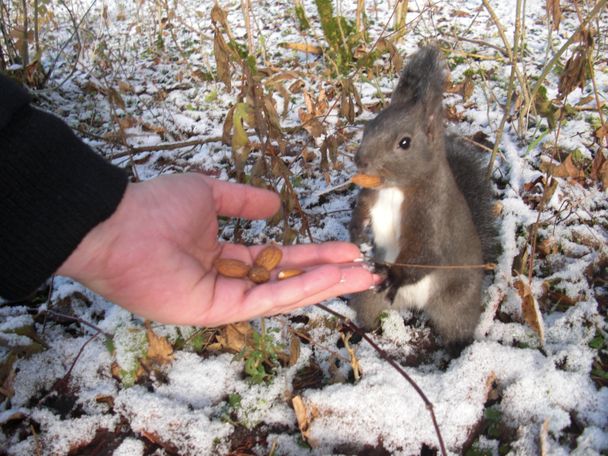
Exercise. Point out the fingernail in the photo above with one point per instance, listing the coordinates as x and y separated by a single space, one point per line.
377 280
361 259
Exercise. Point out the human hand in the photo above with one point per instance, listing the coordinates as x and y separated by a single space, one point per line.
154 256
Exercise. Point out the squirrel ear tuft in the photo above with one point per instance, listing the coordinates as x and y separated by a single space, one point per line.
422 79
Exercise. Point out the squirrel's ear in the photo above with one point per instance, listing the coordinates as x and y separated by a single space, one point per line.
434 124
422 79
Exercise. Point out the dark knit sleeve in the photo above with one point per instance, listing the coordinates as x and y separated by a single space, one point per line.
54 189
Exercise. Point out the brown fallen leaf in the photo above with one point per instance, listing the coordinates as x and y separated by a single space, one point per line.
565 169
301 416
294 350
543 438
530 309
303 47
554 11
233 337
160 351
599 169
548 246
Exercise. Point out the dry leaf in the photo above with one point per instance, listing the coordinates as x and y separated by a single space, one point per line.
125 87
575 72
160 351
530 309
115 99
554 11
222 59
301 416
304 47
297 86
354 362
491 387
547 246
233 337
294 350
566 169
543 438
602 135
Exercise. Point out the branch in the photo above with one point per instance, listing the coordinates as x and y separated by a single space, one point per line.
429 405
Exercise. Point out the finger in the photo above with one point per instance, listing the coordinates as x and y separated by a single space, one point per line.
305 255
312 287
237 200
272 297
354 280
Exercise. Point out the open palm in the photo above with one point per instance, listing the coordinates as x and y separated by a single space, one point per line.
155 256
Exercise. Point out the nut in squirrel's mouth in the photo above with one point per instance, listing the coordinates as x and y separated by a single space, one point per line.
367 180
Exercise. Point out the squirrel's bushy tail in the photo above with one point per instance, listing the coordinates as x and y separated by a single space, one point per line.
468 168
422 79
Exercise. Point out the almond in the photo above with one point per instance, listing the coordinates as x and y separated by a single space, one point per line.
366 180
258 274
269 257
288 273
235 269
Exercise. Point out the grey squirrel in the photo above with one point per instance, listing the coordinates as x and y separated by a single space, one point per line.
434 207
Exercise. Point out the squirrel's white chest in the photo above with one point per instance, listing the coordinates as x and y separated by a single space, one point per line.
385 217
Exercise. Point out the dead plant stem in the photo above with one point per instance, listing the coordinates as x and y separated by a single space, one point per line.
429 405
511 87
486 266
549 66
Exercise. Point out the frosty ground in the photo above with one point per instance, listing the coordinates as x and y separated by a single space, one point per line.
144 77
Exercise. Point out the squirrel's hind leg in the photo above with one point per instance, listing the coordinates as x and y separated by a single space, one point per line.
455 312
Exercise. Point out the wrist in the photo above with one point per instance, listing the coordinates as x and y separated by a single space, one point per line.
94 248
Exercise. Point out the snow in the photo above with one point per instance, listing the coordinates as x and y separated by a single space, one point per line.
199 402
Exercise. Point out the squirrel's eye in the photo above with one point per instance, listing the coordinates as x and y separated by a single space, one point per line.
405 142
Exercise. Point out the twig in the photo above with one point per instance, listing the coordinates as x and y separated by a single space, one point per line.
513 54
549 66
485 266
334 188
356 72
166 146
54 63
482 43
79 320
429 405
69 372
503 36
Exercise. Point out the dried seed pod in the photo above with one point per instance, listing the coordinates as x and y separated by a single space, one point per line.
288 273
258 274
235 269
269 257
366 180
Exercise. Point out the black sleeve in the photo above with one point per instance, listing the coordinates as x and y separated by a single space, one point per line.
54 189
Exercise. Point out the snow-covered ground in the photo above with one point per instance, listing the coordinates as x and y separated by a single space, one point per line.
508 392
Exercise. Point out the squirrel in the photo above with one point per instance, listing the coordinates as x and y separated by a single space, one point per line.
434 207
